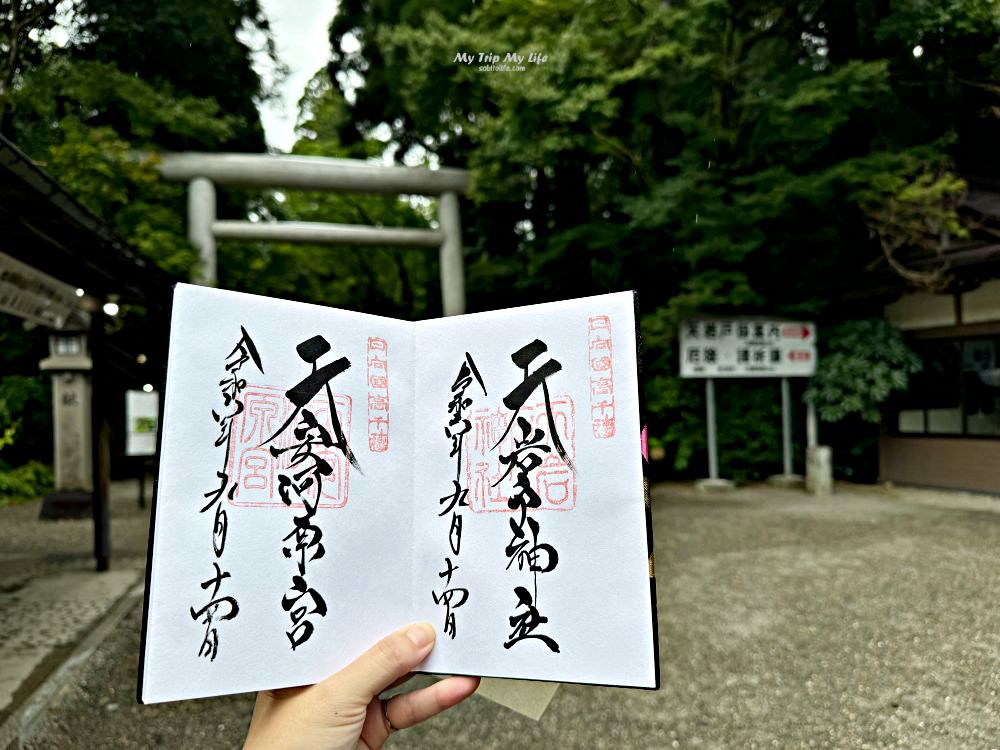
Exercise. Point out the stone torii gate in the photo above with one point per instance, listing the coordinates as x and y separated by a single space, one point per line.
203 171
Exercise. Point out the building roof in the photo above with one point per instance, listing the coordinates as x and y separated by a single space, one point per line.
45 227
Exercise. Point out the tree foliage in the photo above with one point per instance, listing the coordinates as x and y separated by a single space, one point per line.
21 23
131 79
863 364
203 50
93 108
722 157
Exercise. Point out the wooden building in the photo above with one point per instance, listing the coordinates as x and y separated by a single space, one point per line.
945 431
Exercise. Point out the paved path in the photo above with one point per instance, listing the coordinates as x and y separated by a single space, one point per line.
49 593
867 620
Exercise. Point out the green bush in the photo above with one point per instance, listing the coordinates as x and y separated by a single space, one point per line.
26 482
862 363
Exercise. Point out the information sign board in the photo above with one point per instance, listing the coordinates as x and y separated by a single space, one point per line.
747 349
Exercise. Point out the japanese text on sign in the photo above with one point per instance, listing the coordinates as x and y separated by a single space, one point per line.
747 349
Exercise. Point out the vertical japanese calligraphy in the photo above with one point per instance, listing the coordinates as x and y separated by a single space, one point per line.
221 608
527 455
302 483
459 425
378 395
602 379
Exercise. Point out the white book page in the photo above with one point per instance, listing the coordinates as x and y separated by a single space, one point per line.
597 596
363 511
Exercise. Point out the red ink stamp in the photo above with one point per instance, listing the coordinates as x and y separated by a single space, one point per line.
378 395
602 378
554 482
254 471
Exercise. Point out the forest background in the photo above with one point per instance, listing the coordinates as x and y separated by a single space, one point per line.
723 158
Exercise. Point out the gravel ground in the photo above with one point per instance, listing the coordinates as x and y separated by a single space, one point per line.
867 620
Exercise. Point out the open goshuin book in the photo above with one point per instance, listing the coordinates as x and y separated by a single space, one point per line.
327 476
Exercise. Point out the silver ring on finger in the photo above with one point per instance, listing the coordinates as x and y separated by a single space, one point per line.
385 715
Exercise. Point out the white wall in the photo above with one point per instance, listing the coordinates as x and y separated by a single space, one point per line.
921 310
982 304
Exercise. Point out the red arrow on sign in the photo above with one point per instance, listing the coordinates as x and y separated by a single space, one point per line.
795 332
799 356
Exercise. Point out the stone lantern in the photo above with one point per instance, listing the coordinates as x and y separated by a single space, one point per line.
70 366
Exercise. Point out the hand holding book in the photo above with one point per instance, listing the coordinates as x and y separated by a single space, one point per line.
345 712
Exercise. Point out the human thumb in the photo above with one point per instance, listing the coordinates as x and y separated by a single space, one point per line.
380 666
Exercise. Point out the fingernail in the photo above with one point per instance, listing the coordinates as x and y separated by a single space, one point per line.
422 634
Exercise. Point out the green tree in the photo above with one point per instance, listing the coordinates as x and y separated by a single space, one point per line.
135 78
65 111
722 157
203 50
131 80
21 23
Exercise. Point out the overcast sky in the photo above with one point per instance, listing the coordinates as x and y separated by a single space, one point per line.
300 35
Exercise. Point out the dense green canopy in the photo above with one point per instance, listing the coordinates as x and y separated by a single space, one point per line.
92 90
721 157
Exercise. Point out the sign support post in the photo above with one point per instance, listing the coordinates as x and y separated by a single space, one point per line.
786 426
142 410
788 477
748 348
714 481
713 446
